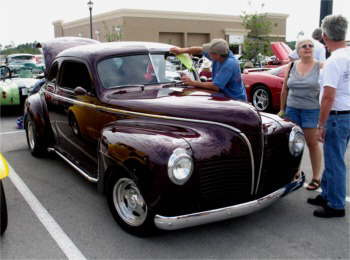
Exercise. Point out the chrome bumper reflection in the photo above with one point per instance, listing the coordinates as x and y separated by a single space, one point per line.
205 217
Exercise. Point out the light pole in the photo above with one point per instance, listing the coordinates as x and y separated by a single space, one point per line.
90 4
326 9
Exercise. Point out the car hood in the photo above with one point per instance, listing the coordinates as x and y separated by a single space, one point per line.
53 47
189 103
281 50
22 82
7 85
16 83
261 74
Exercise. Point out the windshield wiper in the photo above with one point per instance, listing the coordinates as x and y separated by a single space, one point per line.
174 84
119 89
128 86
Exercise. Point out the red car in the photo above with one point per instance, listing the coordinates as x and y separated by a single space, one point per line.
264 87
281 52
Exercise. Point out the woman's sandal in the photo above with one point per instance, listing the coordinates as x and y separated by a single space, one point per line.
313 185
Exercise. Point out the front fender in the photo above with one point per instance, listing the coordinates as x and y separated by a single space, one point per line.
9 93
142 148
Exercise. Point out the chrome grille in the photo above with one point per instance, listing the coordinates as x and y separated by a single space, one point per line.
224 182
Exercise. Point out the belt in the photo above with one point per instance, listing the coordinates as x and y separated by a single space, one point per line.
333 112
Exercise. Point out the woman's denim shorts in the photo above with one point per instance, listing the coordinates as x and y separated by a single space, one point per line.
305 118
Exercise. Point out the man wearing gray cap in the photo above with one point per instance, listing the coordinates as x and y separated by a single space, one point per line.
226 72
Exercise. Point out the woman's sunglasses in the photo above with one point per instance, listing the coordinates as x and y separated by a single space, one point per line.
307 46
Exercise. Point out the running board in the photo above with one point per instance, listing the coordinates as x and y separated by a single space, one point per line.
80 171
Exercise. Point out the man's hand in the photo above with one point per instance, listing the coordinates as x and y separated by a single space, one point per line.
321 133
194 83
281 113
176 50
187 80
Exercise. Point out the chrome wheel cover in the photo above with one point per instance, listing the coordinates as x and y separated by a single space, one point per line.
30 133
261 99
75 127
129 203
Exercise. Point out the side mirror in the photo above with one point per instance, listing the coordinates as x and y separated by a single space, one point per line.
5 73
203 79
80 91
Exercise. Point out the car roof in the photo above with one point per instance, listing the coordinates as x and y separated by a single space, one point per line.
101 50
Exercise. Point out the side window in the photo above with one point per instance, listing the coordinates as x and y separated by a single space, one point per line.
74 74
53 73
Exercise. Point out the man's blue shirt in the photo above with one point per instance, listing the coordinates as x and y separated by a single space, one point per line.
227 76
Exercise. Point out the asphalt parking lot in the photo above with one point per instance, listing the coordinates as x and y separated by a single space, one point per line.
84 226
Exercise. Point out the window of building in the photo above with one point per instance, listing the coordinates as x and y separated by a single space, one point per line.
235 48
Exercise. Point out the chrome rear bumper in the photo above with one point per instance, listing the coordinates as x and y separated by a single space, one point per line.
205 217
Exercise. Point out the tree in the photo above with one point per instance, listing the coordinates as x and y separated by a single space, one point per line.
257 41
21 48
291 44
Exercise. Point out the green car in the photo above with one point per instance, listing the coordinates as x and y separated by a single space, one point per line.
22 61
14 90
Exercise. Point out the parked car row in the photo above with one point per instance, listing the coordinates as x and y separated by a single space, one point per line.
167 156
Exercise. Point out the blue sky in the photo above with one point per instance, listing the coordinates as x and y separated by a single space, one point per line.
26 21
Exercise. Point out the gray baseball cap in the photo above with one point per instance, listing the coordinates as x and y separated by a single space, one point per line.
218 46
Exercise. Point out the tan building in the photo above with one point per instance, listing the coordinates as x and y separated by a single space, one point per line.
177 28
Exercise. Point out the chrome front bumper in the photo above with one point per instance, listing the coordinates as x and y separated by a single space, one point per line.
215 215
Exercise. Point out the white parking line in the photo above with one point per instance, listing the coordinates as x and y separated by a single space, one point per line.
12 132
56 232
320 190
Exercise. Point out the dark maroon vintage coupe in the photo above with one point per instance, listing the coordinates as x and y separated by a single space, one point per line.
167 156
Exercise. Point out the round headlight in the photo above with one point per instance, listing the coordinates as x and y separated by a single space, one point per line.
180 166
296 141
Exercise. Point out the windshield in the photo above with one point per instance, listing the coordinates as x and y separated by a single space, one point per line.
141 70
21 59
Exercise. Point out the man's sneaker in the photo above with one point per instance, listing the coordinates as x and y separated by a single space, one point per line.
328 212
318 201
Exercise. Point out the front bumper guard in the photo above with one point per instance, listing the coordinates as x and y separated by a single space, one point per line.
215 215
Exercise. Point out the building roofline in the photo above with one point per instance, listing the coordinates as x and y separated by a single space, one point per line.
120 13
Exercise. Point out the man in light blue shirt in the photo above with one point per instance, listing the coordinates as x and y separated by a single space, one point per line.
226 72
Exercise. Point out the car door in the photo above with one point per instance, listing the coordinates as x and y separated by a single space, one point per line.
73 124
51 101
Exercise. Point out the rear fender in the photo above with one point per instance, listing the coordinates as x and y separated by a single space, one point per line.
36 108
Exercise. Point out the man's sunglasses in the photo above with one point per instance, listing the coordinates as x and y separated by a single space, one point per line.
307 46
